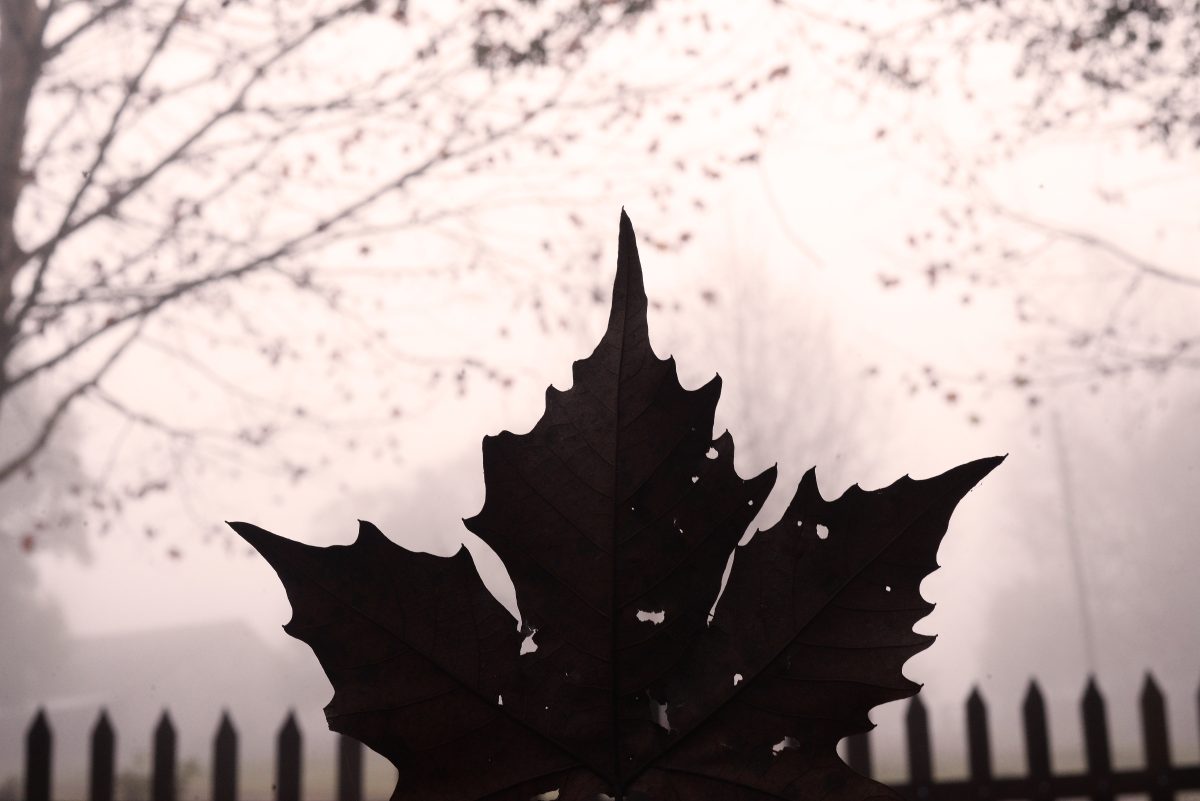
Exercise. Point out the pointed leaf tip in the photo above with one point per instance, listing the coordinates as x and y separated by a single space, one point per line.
254 536
241 529
369 531
627 318
627 246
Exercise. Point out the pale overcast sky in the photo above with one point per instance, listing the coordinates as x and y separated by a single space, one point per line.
794 247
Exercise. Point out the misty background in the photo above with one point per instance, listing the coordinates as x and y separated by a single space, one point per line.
288 263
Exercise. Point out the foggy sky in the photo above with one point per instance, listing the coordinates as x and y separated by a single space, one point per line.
809 343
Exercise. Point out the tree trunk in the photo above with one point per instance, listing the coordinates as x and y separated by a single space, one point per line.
22 25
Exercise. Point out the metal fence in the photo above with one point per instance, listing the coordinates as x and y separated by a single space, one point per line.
163 785
1159 778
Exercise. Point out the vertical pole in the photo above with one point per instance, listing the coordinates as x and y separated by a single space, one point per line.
350 770
979 746
858 753
1037 742
224 786
100 783
920 758
287 761
1095 742
1157 743
1076 552
162 782
38 744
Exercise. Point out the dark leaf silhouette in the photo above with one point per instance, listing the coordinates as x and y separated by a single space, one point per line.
616 516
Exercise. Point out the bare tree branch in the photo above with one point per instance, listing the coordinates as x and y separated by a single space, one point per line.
97 17
129 188
52 420
255 158
44 255
1143 267
784 225
289 247
141 418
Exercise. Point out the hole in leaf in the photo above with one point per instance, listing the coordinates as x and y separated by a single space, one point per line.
499 700
750 502
549 795
799 523
737 679
786 742
887 587
822 532
528 646
651 617
712 453
659 713
695 479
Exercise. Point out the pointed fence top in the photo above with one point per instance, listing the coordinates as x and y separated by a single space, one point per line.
290 728
1095 730
1151 692
1155 738
164 733
103 724
40 726
1033 696
979 748
225 727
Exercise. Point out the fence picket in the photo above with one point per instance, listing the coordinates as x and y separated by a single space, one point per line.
979 748
1154 735
224 786
104 744
858 753
1095 742
920 758
287 761
38 744
350 769
162 781
1037 743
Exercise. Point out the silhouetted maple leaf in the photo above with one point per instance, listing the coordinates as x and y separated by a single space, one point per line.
615 516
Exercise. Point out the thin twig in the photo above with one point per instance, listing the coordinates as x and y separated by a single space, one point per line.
51 421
